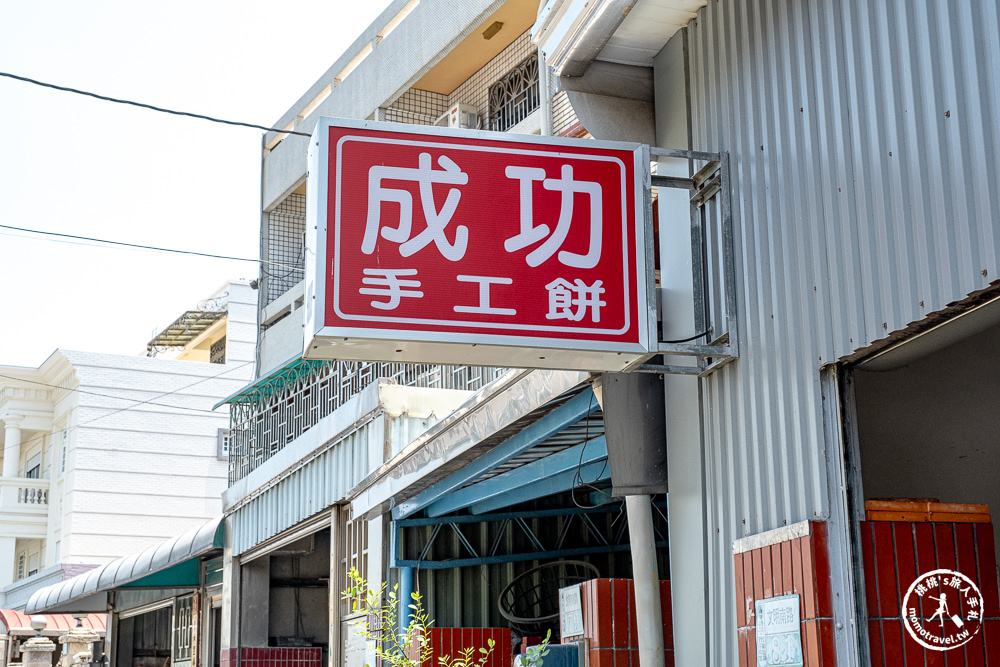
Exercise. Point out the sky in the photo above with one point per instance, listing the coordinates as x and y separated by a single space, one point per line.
80 166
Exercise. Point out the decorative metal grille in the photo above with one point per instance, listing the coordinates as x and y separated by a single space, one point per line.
183 623
354 537
515 96
268 419
217 353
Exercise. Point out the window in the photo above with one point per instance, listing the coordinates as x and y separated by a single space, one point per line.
62 458
217 353
223 445
515 96
183 623
32 564
34 467
21 565
355 541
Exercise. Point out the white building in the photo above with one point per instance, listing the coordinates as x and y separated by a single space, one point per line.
105 454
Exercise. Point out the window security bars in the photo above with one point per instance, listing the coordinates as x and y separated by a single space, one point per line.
183 626
217 353
354 537
282 244
265 421
514 97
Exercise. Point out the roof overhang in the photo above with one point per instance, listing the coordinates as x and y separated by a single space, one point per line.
186 328
476 50
170 564
19 623
461 448
274 380
574 33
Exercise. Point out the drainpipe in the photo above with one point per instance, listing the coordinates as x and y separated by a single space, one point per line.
649 624
546 93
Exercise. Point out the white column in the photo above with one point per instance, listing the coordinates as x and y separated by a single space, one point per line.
11 445
649 621
7 560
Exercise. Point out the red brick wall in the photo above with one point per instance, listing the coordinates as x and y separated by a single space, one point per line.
802 567
451 642
273 657
609 622
895 553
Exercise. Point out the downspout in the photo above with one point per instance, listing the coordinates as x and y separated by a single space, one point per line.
545 89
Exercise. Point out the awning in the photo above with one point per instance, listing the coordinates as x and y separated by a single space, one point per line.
18 623
276 379
186 328
170 564
514 427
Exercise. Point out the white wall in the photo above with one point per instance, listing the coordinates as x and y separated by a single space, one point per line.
149 472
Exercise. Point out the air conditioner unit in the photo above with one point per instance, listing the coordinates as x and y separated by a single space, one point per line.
460 115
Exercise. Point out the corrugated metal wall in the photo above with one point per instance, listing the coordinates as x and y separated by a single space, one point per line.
863 138
313 487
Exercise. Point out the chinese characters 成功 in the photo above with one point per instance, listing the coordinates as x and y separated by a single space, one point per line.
426 176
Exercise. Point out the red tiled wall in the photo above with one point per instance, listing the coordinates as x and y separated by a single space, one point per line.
278 657
609 622
802 567
895 553
452 641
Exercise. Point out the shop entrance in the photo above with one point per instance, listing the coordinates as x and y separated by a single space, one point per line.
926 488
284 612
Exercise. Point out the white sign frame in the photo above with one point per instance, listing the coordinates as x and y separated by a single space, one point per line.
484 349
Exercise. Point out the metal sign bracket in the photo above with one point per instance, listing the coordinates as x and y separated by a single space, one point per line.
713 266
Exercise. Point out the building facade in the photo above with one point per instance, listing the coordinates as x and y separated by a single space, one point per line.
837 246
824 188
106 454
859 143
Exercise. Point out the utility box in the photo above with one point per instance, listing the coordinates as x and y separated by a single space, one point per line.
464 116
635 428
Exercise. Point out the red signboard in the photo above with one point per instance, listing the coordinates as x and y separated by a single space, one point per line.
431 241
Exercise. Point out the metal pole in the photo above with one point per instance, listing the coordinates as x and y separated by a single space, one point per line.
335 659
649 621
546 94
405 597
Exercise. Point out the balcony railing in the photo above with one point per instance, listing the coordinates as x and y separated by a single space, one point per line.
24 506
271 415
33 495
514 97
25 490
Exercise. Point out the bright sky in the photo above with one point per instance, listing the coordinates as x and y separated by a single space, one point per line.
76 165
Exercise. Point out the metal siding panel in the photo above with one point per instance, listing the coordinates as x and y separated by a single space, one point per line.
838 243
316 485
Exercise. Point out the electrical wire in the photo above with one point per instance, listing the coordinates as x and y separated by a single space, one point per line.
689 338
94 393
116 100
137 403
578 480
146 247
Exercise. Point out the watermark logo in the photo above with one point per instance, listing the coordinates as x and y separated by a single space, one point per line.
942 610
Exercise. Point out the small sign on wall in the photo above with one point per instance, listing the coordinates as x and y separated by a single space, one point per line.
570 611
779 633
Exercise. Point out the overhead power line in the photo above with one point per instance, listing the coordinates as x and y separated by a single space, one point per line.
136 402
148 106
146 247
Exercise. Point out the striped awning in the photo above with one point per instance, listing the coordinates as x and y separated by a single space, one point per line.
19 623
